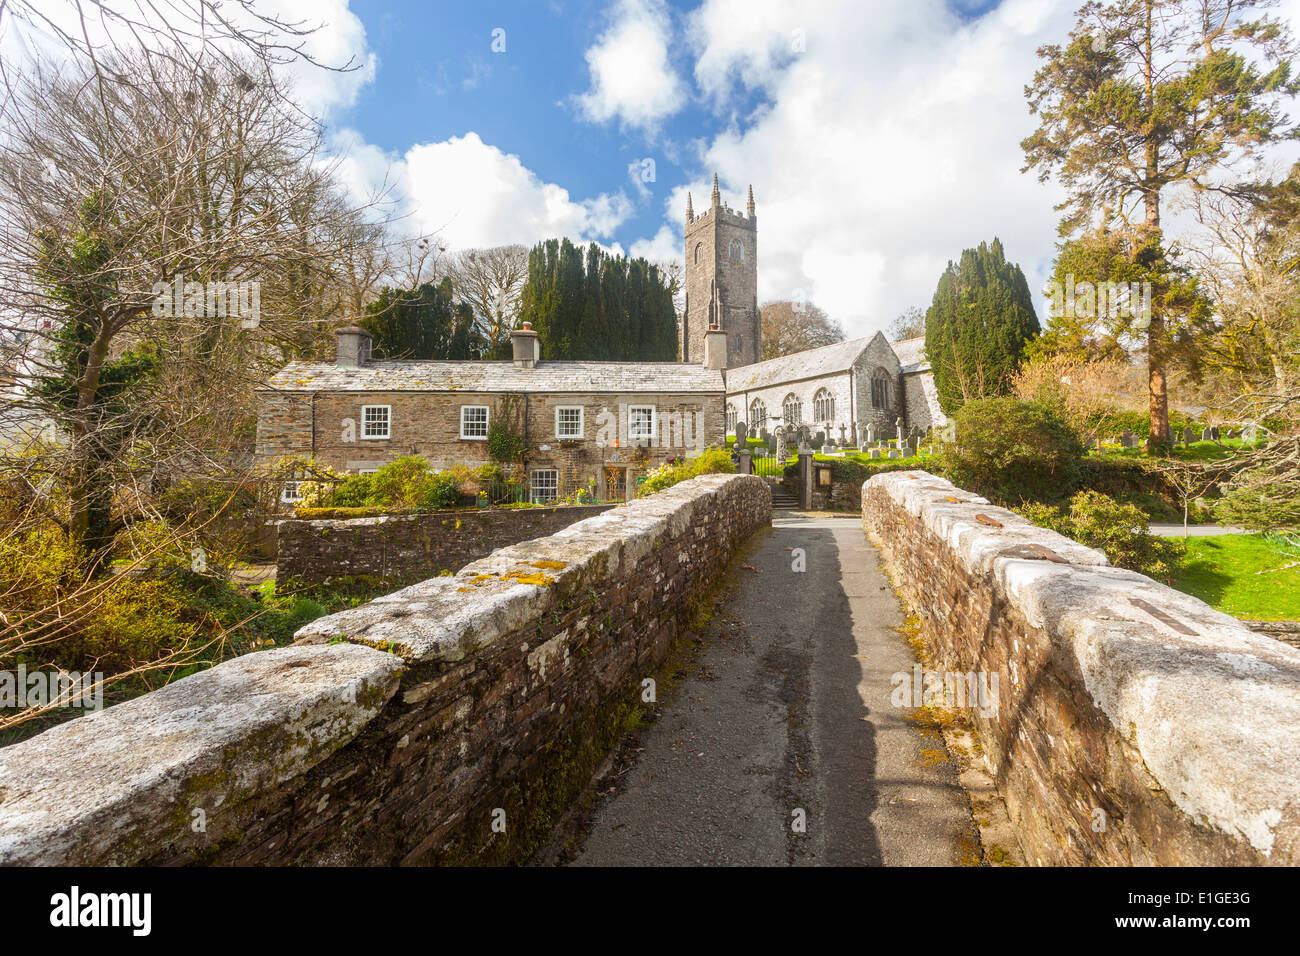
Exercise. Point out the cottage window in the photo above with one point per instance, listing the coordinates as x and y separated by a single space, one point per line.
376 421
290 493
568 421
473 421
641 422
544 485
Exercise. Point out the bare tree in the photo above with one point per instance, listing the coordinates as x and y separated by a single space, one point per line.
795 326
491 281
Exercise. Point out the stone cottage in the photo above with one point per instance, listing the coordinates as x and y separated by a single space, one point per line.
583 425
839 389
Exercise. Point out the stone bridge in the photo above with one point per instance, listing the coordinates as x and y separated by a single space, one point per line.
462 719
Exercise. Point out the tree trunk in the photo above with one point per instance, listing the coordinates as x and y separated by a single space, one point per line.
1157 386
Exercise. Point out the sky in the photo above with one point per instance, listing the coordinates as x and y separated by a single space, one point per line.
881 137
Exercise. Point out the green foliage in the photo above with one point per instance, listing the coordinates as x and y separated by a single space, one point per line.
407 482
977 326
505 438
1012 451
711 461
1261 499
1118 530
597 306
423 323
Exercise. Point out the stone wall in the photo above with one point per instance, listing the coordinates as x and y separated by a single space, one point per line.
407 548
449 722
1135 724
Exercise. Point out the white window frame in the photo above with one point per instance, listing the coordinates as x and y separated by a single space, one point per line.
582 422
654 414
487 422
553 485
289 497
366 471
388 423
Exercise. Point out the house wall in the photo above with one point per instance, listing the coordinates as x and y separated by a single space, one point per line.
428 424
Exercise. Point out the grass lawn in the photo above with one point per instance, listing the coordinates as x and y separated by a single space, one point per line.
1221 571
1196 451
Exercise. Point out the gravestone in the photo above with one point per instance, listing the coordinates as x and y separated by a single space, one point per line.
742 431
843 434
782 450
1207 434
874 453
873 436
1250 432
893 453
1188 436
828 449
1128 439
898 428
821 437
763 434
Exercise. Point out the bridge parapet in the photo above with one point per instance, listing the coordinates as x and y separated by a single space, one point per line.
1135 724
449 722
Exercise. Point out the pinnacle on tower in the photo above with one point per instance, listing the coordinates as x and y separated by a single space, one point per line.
749 207
717 196
690 210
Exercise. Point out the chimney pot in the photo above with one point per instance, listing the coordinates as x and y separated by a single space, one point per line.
353 347
526 346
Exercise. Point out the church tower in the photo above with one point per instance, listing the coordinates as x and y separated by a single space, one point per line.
722 280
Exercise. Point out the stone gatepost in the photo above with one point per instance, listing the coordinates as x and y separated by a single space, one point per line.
805 477
744 463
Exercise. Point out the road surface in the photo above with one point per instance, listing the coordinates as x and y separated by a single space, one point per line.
786 718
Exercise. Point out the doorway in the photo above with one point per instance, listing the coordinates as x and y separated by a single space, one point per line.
615 484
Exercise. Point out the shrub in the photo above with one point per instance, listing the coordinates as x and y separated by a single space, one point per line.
711 461
1012 450
1118 530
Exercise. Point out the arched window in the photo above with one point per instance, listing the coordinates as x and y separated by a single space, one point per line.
792 410
881 386
736 250
698 247
823 406
731 419
757 414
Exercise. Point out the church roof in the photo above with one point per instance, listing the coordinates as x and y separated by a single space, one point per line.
911 355
470 376
792 368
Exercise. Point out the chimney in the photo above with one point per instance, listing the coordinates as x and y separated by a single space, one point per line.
353 347
527 346
715 347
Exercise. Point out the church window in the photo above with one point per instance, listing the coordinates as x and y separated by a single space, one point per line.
880 389
792 410
731 419
757 414
698 246
823 406
736 250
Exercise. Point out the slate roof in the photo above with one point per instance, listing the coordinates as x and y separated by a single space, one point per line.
444 376
791 368
911 355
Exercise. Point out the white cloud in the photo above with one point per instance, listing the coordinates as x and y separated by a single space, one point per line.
473 194
338 38
890 142
632 79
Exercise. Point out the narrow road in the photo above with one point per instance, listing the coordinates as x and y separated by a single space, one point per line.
787 715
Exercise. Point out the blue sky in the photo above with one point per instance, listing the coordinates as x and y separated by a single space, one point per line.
881 137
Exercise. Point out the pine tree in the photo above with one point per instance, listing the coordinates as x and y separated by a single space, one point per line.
978 324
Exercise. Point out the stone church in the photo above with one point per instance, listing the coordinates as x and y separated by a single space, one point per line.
839 389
